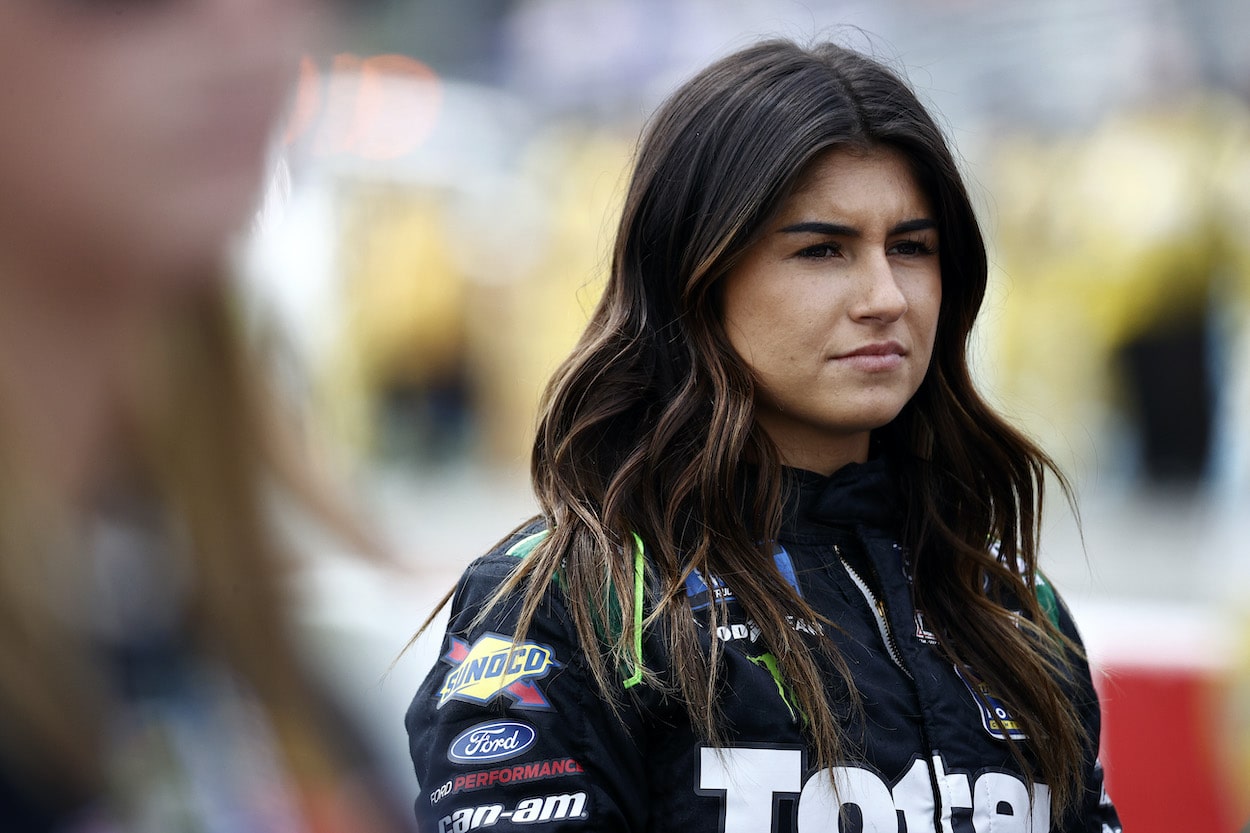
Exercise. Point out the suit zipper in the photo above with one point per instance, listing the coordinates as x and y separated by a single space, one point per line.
877 606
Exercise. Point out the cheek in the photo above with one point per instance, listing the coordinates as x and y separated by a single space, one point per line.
739 314
760 327
774 318
926 309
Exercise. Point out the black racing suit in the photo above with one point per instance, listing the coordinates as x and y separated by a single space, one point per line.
515 737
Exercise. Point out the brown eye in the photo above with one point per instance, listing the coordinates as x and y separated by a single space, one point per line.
821 250
911 248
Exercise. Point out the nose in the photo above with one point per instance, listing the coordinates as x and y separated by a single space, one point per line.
879 298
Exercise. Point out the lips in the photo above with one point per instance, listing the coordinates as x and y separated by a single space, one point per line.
883 348
878 357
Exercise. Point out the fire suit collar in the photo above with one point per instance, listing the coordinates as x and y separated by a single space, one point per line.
855 496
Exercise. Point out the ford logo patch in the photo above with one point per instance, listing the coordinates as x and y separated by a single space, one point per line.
495 740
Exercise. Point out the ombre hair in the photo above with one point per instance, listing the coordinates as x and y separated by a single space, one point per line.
648 427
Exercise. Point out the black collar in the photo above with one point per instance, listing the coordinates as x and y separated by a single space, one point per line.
856 495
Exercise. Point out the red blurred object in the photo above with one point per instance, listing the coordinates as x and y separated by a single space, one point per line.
1159 746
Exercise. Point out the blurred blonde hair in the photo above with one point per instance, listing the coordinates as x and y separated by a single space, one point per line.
211 447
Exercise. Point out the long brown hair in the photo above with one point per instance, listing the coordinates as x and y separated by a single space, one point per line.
647 426
210 449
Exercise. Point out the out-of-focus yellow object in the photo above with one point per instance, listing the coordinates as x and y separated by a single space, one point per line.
409 300
1103 237
439 282
540 316
405 302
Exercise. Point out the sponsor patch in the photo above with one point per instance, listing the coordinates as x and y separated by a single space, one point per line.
495 740
537 810
513 774
494 665
767 787
925 635
804 626
702 595
738 630
995 717
748 630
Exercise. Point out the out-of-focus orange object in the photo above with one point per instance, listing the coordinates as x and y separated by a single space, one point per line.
378 107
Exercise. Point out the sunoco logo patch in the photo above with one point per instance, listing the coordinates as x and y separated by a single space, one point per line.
494 665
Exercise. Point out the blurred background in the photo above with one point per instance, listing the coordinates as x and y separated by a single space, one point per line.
440 227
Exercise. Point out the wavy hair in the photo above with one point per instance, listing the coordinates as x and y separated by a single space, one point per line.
648 426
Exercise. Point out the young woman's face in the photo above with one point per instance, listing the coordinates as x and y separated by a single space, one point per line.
139 127
835 308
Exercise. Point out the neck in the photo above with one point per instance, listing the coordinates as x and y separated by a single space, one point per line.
818 451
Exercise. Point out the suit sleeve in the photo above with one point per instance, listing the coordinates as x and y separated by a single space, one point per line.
505 733
1096 813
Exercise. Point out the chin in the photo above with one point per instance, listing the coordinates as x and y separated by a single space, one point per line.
869 418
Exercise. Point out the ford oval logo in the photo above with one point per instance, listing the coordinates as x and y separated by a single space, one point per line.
496 740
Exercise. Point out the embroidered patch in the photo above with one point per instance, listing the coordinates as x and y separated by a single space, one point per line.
702 595
494 665
995 717
491 742
925 635
515 774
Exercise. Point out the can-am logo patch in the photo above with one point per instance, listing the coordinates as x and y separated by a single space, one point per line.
494 665
496 740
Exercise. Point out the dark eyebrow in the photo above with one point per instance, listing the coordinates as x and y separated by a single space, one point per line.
919 224
836 230
826 229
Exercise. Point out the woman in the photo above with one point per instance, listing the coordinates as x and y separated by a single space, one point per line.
148 680
785 575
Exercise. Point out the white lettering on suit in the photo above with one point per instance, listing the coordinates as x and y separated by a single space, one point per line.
753 779
750 779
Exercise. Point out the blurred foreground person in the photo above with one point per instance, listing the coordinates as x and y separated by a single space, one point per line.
785 576
148 680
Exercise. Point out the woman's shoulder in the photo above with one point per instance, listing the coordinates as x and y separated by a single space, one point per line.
1049 600
483 577
509 552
